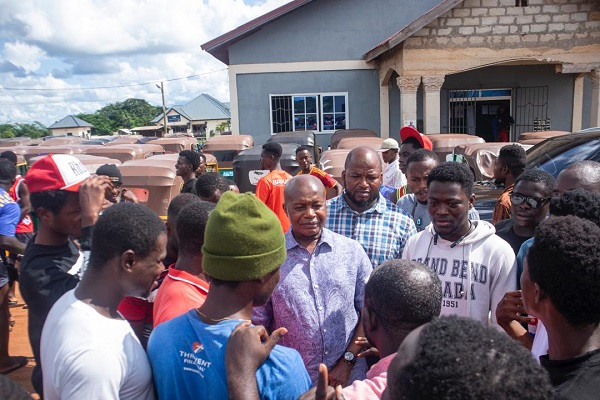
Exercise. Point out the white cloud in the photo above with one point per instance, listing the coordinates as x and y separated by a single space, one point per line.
23 55
103 43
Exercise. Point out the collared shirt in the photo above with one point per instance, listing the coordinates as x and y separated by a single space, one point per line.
179 293
318 300
382 230
392 176
502 206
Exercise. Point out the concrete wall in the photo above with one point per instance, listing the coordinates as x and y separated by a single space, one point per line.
254 102
328 30
75 131
560 89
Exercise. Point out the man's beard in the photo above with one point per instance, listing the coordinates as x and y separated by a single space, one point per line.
362 204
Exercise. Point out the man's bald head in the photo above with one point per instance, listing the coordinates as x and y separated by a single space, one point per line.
363 153
301 183
580 175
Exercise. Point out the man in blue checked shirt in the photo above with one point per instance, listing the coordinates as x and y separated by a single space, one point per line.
363 214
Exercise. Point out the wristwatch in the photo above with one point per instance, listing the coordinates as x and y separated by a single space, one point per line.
349 357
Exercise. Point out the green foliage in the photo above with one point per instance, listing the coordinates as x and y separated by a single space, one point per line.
223 126
127 114
34 130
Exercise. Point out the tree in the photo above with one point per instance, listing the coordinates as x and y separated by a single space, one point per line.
33 131
127 114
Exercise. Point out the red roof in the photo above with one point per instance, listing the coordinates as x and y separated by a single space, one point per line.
218 46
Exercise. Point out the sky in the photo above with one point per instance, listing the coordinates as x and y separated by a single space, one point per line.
69 56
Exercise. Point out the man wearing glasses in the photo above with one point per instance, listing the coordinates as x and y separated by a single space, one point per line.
529 200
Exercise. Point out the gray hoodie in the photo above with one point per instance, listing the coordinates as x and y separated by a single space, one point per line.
475 272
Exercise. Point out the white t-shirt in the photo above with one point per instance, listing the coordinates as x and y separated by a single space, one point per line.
88 356
392 176
540 342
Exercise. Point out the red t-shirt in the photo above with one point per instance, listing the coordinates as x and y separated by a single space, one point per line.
269 190
323 176
179 292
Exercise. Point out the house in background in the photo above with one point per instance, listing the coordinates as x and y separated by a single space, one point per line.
199 117
71 126
444 66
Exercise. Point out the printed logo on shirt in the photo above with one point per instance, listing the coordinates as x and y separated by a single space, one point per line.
280 182
197 346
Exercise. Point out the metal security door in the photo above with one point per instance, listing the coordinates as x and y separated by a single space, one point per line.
531 110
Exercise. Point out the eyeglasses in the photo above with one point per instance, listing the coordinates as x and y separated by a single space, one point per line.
533 202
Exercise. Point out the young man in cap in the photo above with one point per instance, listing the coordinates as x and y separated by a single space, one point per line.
118 193
185 167
510 163
88 350
392 176
305 162
363 214
242 252
9 218
269 189
412 141
474 265
400 296
66 201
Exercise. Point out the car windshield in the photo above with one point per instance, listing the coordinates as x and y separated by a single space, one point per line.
554 163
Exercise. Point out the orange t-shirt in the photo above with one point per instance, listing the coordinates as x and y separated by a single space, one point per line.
179 292
269 190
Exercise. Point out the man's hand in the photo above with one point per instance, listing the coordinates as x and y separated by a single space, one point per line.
323 391
92 193
247 348
127 195
339 374
510 308
364 344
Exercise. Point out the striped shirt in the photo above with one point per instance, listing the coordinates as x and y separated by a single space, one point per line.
382 230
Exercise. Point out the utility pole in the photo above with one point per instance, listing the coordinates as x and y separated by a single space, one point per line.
162 91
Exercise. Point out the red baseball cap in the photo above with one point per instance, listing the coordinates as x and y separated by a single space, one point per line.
56 172
409 131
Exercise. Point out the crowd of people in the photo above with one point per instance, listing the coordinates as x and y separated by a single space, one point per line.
385 285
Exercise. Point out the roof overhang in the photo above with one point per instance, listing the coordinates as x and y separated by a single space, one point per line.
218 47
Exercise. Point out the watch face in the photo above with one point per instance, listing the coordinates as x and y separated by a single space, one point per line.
349 356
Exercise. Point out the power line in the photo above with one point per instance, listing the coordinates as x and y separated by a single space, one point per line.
114 87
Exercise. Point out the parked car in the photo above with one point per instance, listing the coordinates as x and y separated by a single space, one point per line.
176 144
125 152
444 143
304 138
552 155
211 161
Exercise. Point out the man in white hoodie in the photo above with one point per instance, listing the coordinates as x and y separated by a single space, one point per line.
474 265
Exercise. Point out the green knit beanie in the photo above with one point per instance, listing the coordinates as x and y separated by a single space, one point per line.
243 239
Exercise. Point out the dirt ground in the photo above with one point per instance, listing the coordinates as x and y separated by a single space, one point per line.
19 346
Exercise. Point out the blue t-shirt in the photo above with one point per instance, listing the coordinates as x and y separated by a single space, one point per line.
188 362
9 214
520 257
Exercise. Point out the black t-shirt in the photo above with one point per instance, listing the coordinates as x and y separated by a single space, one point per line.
43 280
504 229
189 187
574 379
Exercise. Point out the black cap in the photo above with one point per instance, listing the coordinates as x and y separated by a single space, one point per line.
112 172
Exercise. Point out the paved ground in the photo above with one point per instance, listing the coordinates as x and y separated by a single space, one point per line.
19 346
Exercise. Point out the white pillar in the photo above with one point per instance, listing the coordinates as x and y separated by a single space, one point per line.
595 111
431 103
408 98
384 110
233 102
577 103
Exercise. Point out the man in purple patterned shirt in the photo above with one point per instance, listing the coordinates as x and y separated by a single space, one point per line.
320 293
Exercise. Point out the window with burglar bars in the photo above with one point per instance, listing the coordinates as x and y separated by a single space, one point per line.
325 112
531 109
